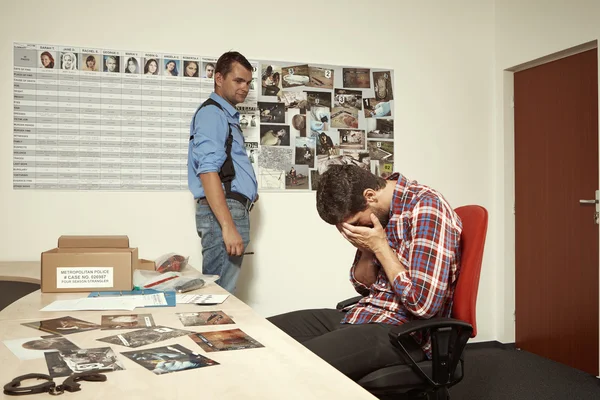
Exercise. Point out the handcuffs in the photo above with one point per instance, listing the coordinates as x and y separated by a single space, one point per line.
70 384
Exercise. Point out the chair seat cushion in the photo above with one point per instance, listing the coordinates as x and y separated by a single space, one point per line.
399 377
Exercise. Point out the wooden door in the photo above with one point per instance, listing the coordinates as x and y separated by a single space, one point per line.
556 165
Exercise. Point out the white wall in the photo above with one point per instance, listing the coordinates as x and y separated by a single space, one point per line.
524 31
442 55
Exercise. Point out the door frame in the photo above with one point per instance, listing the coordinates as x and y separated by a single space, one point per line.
508 201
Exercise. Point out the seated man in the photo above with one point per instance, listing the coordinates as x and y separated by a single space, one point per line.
405 271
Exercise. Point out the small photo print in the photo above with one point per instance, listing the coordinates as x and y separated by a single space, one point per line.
191 69
208 69
297 177
345 109
383 85
326 146
320 118
270 80
305 148
35 347
252 152
171 67
151 66
320 77
382 168
352 139
296 75
356 78
293 99
62 325
298 124
271 112
67 362
233 339
314 179
318 99
362 158
131 65
111 63
274 135
48 59
381 150
145 336
380 128
377 108
167 359
131 321
90 62
68 61
205 318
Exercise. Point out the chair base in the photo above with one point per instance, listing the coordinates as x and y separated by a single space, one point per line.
440 394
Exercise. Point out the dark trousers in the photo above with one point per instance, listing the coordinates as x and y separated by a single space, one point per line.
355 350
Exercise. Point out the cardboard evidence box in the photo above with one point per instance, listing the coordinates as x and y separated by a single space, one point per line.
90 263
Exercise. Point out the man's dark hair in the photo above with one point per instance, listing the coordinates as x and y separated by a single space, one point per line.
340 192
225 62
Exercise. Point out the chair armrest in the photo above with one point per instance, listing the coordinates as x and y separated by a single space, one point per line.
421 324
348 302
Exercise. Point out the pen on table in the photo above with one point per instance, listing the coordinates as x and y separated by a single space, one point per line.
250 252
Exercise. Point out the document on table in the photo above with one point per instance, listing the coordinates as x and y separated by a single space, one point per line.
107 303
201 298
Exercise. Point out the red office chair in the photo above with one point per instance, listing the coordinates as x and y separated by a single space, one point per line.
431 378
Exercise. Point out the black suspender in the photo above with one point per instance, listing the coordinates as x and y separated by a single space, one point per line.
227 172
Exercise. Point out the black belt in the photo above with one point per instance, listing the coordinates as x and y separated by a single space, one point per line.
246 202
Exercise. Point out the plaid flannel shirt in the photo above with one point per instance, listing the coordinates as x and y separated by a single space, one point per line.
425 233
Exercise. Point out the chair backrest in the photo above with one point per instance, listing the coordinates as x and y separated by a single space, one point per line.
475 221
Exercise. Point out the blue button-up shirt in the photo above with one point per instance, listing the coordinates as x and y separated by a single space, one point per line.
206 151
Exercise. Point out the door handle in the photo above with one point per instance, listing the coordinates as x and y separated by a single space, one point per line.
596 201
588 201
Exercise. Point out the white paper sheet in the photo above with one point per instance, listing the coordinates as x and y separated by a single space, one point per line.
92 303
201 298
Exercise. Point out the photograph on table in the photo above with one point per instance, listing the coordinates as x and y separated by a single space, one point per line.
380 128
205 318
274 135
145 336
380 150
382 168
328 143
318 99
48 59
352 139
293 99
35 347
129 321
319 118
314 179
320 77
232 339
62 325
191 69
90 62
270 80
305 148
208 68
295 75
377 108
167 359
382 83
297 177
356 78
67 362
271 112
346 105
272 165
298 123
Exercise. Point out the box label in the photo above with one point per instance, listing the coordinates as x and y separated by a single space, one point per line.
84 277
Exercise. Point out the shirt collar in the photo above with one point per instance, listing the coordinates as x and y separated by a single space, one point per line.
225 104
401 186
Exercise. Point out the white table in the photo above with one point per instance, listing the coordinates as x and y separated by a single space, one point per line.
283 369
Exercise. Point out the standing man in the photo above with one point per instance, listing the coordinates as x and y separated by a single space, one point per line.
220 175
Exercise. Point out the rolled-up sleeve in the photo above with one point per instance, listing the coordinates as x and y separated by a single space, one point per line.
210 130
